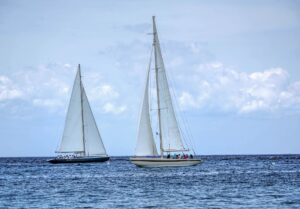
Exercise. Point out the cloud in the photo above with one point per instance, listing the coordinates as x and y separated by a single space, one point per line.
48 103
220 88
202 83
210 86
111 108
8 90
103 92
49 87
187 100
67 65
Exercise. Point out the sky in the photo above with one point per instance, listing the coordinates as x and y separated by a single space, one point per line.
233 65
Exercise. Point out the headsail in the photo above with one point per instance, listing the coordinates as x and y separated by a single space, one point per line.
145 141
93 141
169 126
72 140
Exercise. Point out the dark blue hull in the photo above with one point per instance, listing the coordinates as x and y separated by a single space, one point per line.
79 160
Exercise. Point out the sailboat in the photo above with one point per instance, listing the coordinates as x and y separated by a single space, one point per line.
81 141
170 138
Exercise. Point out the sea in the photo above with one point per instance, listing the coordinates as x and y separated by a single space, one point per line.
237 181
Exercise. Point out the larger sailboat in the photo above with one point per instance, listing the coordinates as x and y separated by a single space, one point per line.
81 141
170 138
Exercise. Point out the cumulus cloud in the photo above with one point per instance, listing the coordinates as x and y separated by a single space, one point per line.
48 103
210 86
112 108
49 86
103 92
222 88
8 90
202 83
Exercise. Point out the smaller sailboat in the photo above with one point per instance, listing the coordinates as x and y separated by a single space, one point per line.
170 138
81 141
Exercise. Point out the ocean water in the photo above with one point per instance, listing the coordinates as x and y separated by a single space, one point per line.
268 181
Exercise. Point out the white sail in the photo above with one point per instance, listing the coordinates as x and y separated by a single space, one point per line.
169 132
72 140
171 138
92 138
81 133
145 141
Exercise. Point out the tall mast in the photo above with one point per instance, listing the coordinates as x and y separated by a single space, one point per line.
157 85
81 100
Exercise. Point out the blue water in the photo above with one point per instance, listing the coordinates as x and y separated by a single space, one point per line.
271 181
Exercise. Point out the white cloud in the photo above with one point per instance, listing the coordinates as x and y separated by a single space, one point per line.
8 90
48 103
67 65
210 86
111 108
103 92
49 86
216 86
186 99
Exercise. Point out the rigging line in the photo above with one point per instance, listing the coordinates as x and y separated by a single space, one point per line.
187 132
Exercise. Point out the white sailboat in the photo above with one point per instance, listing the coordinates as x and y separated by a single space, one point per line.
81 141
170 138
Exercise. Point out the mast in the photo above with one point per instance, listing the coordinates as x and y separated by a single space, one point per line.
157 86
81 100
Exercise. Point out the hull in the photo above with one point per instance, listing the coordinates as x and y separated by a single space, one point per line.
79 160
163 162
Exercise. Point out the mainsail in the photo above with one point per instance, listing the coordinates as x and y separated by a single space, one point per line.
81 134
72 140
170 134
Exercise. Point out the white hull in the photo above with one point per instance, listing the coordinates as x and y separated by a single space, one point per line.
163 162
